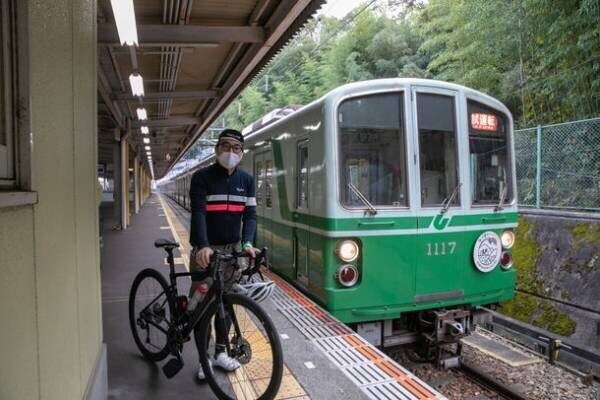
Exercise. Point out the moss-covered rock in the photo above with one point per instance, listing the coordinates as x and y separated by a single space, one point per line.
528 308
525 255
553 320
585 234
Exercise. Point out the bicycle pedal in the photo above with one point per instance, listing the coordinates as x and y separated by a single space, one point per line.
172 367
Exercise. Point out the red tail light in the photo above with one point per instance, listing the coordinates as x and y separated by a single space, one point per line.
347 275
506 260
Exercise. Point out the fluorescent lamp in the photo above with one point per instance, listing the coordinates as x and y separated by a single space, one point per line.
145 130
147 147
125 20
137 84
146 140
141 113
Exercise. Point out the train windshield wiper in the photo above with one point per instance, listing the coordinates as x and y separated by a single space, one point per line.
371 210
446 203
500 205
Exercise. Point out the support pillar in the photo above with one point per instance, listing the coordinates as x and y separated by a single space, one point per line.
117 189
136 184
124 183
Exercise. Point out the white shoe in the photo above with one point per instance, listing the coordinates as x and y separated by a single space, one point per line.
225 362
201 374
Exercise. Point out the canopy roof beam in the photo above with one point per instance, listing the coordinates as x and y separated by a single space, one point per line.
191 94
190 35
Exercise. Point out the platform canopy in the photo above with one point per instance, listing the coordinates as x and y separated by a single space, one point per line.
194 57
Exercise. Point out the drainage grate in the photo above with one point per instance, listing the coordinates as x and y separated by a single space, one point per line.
316 332
300 318
332 343
346 357
387 390
365 374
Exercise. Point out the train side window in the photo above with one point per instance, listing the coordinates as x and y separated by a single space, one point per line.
372 150
6 95
268 183
437 148
259 175
302 176
488 154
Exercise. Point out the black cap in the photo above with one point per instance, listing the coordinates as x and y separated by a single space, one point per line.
231 134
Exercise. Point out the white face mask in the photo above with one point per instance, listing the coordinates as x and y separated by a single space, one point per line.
229 160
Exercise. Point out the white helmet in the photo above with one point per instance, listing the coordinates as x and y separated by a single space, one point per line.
256 290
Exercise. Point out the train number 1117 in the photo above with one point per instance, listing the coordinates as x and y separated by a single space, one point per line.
440 249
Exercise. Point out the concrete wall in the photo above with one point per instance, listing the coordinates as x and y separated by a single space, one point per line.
50 305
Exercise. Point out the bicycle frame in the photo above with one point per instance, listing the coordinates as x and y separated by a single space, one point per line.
215 292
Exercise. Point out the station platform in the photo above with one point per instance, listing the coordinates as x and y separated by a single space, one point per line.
323 358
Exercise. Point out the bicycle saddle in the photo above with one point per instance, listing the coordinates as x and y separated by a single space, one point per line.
166 243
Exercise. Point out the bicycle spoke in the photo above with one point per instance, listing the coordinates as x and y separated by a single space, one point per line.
150 314
251 346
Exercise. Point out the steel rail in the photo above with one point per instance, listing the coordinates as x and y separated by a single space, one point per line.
483 379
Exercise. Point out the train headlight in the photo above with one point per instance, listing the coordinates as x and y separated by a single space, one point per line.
347 275
508 239
347 250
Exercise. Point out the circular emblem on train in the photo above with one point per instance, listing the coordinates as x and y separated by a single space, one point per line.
487 251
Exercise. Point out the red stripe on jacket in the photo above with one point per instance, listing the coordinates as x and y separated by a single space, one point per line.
225 207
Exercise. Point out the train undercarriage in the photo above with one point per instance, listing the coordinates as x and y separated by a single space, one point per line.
431 336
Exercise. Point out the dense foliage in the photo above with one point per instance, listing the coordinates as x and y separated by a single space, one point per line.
540 57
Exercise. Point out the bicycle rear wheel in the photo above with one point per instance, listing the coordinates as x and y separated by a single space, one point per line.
253 342
151 309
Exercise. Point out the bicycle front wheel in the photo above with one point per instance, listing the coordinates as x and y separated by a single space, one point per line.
249 336
151 309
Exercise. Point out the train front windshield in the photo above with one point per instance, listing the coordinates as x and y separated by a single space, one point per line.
489 155
372 151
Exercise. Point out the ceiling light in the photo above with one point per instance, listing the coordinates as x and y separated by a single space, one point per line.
141 113
145 130
147 147
146 140
125 20
137 84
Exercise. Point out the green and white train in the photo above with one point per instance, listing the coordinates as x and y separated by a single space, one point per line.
390 202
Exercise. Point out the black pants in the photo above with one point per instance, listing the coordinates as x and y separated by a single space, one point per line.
221 332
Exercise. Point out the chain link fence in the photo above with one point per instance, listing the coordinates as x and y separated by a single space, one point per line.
558 166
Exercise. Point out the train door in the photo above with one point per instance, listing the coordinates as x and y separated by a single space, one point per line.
268 204
439 200
301 237
259 179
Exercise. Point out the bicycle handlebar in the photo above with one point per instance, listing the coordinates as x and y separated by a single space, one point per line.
229 256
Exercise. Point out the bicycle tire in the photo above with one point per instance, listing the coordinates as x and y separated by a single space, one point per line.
161 352
245 304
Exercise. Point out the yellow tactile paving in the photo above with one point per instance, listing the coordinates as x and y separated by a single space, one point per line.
258 372
180 234
177 260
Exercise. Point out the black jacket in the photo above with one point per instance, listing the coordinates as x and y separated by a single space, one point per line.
220 202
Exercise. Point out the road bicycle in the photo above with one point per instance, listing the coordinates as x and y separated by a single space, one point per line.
161 323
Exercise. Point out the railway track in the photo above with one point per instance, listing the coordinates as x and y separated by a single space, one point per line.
487 382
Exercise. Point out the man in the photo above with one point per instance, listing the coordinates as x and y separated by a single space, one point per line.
223 205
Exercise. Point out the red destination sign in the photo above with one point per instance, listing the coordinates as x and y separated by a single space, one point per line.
484 122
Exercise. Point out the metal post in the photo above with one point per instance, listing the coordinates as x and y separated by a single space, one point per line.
554 346
538 169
